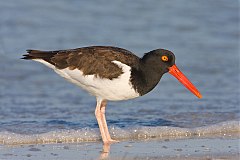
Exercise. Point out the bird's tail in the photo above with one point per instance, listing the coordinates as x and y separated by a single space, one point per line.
37 54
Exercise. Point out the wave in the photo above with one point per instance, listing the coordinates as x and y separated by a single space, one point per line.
224 129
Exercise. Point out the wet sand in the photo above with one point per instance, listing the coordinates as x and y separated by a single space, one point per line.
216 148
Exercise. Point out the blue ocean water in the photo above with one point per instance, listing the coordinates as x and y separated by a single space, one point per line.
37 105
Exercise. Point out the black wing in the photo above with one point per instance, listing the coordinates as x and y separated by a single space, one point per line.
94 60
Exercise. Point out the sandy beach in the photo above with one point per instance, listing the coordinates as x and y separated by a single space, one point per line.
217 148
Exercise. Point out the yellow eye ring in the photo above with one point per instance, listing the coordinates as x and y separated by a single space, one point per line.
164 58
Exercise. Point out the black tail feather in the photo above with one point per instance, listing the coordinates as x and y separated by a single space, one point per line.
37 54
27 56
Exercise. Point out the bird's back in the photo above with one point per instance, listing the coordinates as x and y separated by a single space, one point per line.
94 60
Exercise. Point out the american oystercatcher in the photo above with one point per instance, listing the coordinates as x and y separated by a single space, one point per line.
111 73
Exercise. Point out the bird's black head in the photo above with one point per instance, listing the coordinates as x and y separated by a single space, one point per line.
160 60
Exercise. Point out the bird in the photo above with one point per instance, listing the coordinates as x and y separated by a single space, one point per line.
111 74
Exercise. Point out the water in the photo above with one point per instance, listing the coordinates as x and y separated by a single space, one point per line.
37 106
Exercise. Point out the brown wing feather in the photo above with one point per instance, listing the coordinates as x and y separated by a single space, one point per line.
95 60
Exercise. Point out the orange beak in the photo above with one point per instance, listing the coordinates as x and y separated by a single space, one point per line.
183 79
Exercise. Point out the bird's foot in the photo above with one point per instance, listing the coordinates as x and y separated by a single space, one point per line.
111 141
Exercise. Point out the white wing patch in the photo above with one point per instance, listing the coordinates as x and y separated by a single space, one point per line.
119 88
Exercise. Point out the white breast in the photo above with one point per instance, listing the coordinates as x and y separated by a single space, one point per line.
116 89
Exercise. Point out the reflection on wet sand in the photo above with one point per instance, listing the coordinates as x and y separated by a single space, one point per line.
105 151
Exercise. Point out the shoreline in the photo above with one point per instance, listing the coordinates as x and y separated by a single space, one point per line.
199 148
228 129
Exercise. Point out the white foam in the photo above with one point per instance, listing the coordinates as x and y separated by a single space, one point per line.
224 129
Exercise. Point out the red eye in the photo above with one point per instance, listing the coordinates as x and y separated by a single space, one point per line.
165 58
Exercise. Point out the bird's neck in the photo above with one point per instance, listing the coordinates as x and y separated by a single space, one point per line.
145 78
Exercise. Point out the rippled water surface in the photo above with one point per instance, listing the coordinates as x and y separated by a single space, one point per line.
204 35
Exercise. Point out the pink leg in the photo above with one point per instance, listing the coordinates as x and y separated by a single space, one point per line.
100 115
103 108
99 120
